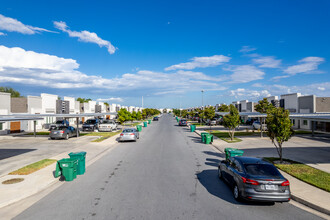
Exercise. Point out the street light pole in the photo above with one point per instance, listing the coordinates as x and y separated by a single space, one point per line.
202 105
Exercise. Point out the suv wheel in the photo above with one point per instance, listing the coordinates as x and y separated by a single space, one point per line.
220 173
67 137
236 193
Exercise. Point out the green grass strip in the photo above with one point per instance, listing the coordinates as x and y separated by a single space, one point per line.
104 135
33 167
303 172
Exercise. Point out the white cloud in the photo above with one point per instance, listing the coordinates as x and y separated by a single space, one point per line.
2 34
245 73
247 49
201 62
306 65
242 93
114 99
13 25
85 36
267 62
30 68
198 76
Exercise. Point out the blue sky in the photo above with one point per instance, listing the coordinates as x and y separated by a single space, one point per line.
166 51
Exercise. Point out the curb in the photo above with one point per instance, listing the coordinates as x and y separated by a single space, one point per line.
294 197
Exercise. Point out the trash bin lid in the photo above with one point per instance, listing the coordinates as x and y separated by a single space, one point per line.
81 153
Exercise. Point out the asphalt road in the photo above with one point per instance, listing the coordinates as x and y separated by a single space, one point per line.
167 174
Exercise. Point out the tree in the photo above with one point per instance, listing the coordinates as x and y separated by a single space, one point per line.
192 113
279 128
133 116
263 106
106 104
138 116
231 121
223 108
184 113
83 100
209 113
123 115
13 92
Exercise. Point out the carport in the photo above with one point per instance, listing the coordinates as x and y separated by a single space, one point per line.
11 119
35 117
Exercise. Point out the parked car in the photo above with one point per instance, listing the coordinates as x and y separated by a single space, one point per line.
183 122
91 125
155 118
250 121
63 132
254 179
256 125
129 134
59 123
107 125
213 121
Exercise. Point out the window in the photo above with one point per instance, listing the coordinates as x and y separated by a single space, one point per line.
305 122
0 126
261 170
293 121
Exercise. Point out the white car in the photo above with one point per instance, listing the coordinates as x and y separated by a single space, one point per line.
257 126
108 125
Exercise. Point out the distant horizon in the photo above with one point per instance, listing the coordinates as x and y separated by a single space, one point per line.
166 52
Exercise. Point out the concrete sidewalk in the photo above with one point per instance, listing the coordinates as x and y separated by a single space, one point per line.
300 191
38 181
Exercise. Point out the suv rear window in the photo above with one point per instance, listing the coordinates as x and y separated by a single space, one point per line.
261 170
90 121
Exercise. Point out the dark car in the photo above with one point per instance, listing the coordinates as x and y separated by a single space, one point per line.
91 125
254 179
59 123
183 122
63 132
155 118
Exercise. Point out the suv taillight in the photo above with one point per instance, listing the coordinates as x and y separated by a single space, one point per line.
286 183
249 181
62 132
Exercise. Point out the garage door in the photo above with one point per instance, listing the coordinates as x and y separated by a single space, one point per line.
15 127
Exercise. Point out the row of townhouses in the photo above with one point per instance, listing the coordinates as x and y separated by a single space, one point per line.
294 103
50 104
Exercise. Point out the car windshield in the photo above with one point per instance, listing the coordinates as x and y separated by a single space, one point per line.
256 122
91 121
60 128
128 130
59 122
261 170
107 122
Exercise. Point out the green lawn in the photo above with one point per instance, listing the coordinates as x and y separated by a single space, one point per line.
104 135
305 173
33 167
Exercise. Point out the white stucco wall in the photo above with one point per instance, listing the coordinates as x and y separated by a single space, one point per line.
5 108
291 101
34 107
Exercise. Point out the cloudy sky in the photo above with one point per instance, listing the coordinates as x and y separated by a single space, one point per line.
166 51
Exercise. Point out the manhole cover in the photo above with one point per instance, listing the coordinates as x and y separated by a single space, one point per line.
12 181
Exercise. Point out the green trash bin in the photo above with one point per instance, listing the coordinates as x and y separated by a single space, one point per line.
149 121
233 152
203 136
139 128
145 124
208 138
192 128
80 157
67 167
